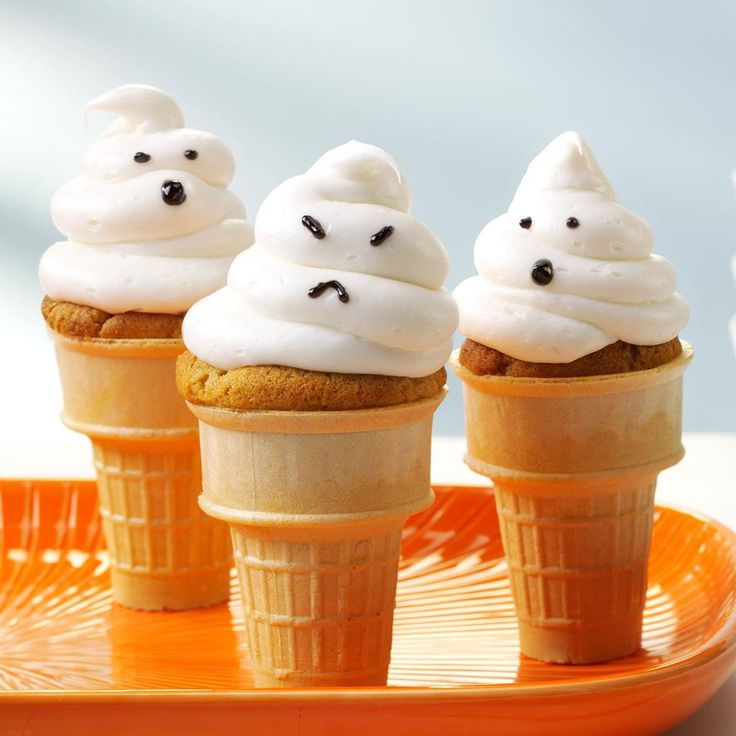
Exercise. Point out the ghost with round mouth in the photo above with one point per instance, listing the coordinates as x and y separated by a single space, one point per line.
151 223
341 278
568 270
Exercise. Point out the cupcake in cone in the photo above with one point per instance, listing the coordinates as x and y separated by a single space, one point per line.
314 375
151 228
572 372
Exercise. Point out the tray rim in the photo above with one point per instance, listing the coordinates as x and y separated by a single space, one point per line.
722 647
392 693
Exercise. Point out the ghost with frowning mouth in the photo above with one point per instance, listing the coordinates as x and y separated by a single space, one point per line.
316 229
151 223
341 278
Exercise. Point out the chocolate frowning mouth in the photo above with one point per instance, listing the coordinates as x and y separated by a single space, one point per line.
322 287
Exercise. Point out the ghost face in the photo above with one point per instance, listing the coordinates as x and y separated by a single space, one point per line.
518 249
147 186
569 243
314 226
543 270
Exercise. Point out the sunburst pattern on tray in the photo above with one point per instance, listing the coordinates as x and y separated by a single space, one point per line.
454 622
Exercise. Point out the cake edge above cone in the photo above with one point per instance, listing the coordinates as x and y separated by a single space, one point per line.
83 321
283 388
619 357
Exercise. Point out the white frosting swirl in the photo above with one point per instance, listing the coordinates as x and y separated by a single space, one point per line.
607 284
398 320
127 249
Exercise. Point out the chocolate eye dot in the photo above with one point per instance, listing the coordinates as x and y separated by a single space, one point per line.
525 222
573 222
542 272
190 154
141 157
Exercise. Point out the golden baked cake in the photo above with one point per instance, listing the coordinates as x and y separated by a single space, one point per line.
618 357
83 321
278 387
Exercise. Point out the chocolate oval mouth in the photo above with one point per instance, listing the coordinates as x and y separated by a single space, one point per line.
172 192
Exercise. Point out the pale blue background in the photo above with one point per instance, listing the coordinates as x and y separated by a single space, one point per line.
463 94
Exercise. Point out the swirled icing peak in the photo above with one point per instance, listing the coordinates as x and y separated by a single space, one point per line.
565 164
568 270
341 278
151 224
140 108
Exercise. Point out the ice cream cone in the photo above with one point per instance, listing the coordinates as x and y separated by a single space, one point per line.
574 462
316 502
164 552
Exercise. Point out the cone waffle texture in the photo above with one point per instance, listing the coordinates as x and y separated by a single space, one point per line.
578 569
164 552
318 611
574 463
316 502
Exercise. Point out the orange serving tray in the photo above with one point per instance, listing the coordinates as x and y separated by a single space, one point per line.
73 663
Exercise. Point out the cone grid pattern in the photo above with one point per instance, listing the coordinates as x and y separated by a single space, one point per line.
151 519
318 609
578 562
